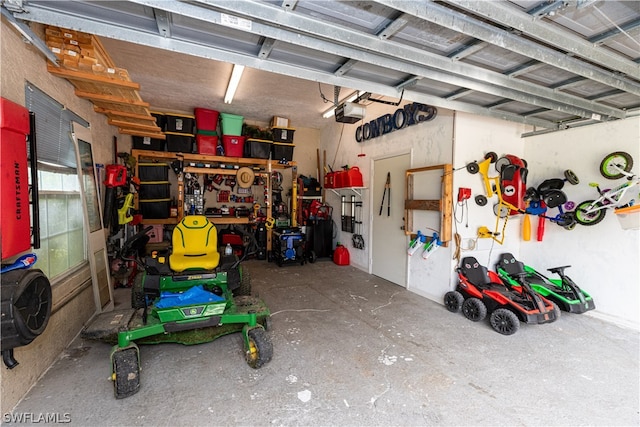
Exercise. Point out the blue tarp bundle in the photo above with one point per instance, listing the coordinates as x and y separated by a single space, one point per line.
195 295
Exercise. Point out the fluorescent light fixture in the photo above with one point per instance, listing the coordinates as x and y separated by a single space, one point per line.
330 111
234 81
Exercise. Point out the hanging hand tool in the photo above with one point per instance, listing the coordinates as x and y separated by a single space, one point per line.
387 186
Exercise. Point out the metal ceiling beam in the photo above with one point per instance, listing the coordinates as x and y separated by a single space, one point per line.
614 32
467 25
506 14
469 49
369 49
120 32
163 20
30 36
266 48
394 27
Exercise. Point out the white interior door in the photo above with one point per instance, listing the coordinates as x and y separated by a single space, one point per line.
389 243
97 250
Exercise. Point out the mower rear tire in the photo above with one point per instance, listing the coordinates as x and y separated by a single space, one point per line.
474 309
126 372
137 292
260 348
504 321
453 301
245 284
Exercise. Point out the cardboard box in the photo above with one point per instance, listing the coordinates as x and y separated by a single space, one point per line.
279 122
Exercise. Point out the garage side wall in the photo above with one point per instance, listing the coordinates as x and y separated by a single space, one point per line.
73 295
604 258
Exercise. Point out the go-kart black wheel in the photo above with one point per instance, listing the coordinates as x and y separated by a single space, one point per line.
473 168
453 301
620 159
137 292
491 155
501 163
312 257
500 210
566 220
474 309
245 284
571 177
556 310
480 200
592 218
504 321
126 372
260 348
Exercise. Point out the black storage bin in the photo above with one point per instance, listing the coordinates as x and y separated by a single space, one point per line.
180 123
180 143
147 143
155 190
161 120
155 208
152 172
257 148
283 135
282 151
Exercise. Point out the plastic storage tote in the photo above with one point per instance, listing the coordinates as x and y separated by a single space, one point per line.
231 124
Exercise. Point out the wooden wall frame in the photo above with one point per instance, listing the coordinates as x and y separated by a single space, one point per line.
444 205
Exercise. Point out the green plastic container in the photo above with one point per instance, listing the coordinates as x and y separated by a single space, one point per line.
231 124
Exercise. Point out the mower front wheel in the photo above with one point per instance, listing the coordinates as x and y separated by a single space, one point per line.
453 301
474 309
126 372
504 321
260 348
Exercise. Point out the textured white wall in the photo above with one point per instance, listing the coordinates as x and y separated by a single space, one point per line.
604 257
429 144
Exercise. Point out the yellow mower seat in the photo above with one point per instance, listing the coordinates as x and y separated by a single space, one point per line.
195 244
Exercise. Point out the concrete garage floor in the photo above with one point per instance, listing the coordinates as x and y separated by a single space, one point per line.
353 349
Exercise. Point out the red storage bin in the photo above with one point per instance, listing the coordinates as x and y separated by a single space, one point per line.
353 178
233 145
207 144
206 119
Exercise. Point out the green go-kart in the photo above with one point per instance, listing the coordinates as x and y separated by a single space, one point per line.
563 291
193 296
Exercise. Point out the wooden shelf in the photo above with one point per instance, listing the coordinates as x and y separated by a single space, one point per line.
228 220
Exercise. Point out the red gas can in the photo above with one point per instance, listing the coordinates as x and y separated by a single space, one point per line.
354 177
341 255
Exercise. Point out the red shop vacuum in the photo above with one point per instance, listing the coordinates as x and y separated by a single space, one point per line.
25 292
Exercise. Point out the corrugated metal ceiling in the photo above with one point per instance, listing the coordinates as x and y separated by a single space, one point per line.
552 64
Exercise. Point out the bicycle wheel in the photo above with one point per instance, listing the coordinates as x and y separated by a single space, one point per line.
592 218
620 159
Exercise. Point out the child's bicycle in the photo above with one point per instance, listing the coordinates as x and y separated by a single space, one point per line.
614 166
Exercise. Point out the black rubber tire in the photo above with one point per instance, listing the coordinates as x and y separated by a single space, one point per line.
453 301
556 310
501 163
500 210
474 309
480 200
566 220
504 321
571 177
618 157
137 292
245 284
260 348
312 257
473 168
491 155
592 219
126 372
266 323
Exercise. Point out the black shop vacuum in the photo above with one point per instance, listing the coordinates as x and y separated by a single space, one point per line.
25 292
